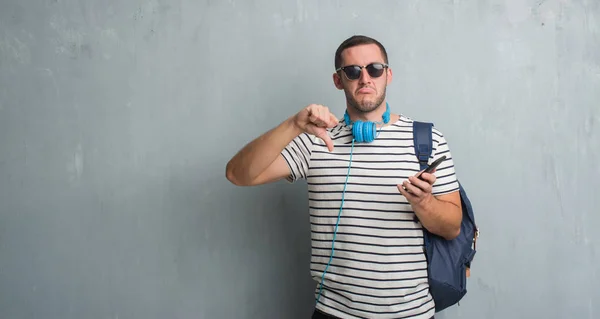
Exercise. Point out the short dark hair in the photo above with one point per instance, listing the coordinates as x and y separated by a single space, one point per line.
354 41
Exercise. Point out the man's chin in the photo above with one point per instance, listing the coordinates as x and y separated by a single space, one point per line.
367 107
365 103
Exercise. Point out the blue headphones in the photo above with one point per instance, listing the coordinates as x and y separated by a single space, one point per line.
366 131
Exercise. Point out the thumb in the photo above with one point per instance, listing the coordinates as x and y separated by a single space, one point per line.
325 137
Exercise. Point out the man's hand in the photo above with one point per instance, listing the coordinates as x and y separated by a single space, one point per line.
260 161
417 191
440 215
315 119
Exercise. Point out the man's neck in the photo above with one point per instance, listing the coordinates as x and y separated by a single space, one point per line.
373 116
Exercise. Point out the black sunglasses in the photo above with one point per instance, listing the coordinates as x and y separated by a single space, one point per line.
352 72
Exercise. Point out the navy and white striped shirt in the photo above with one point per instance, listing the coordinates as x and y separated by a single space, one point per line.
379 268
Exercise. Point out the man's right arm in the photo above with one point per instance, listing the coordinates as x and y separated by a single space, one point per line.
261 161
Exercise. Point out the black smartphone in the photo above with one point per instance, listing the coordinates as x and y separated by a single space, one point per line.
433 165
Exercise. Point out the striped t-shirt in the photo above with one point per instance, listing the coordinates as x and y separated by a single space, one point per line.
379 268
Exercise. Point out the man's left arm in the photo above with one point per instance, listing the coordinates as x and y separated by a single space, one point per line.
442 214
436 199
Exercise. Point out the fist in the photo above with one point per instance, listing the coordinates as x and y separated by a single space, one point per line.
417 189
315 119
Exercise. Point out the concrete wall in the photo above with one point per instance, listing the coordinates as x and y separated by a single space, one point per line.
117 119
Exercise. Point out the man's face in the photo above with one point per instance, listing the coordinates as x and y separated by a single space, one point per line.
366 92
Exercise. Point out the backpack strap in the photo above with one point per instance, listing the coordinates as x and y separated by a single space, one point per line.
423 142
423 146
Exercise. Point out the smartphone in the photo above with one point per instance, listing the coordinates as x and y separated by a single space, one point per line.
433 165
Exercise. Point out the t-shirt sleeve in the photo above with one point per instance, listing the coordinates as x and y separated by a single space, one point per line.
297 155
446 181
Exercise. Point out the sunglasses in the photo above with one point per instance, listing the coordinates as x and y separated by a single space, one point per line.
353 72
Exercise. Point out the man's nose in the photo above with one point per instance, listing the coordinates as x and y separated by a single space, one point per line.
364 76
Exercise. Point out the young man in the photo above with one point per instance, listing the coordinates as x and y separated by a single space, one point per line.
367 208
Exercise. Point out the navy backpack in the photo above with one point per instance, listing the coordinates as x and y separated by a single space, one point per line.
448 261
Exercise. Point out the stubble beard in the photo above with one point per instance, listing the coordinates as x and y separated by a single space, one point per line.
365 106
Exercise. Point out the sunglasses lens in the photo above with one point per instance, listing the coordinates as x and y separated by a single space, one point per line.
352 72
375 70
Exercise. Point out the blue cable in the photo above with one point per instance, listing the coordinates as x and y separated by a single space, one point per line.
336 224
361 132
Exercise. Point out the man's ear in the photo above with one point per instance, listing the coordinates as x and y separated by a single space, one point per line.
389 75
337 81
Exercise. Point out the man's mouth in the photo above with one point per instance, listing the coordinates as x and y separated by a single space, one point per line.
366 90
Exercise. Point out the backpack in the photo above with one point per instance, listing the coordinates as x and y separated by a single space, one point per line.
448 261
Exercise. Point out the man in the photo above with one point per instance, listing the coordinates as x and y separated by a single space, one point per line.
367 208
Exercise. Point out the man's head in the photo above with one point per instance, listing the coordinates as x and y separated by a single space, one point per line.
362 72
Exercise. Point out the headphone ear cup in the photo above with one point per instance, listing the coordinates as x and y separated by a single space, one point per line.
370 136
357 131
364 131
